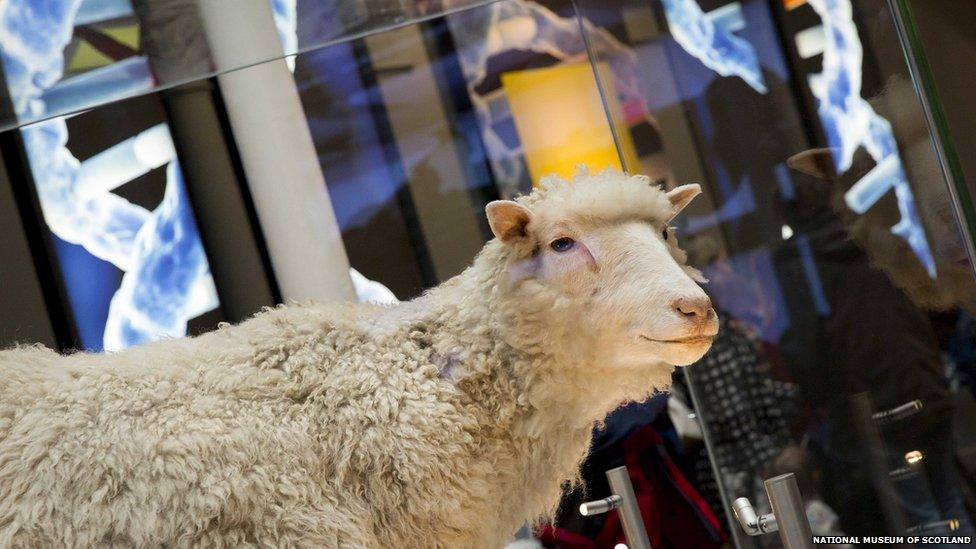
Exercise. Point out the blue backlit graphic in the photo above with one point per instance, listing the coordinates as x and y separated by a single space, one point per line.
33 35
286 22
850 123
166 279
709 38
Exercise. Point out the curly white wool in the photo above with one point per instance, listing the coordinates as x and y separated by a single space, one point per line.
325 425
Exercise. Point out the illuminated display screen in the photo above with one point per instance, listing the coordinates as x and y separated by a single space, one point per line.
121 226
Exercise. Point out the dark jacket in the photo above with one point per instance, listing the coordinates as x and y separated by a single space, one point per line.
853 332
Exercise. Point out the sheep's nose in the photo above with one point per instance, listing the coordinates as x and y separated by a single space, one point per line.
697 309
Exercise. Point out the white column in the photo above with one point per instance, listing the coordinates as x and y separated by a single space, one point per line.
277 152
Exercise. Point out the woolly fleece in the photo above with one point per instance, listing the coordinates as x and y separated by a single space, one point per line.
447 421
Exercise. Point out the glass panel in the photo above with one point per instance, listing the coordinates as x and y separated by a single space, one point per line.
418 127
62 56
921 73
825 227
835 259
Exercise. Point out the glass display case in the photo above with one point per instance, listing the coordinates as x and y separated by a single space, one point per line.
834 227
834 254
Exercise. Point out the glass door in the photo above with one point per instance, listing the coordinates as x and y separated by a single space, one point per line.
830 236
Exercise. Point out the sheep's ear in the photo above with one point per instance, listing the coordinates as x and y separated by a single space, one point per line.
508 220
680 196
816 162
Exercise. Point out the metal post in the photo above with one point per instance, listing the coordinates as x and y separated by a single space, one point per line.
277 152
628 510
791 518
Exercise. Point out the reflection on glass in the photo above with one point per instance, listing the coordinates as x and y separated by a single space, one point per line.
510 36
709 38
851 123
553 142
134 272
124 48
33 40
827 232
418 127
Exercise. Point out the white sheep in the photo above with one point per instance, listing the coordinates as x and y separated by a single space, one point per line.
447 421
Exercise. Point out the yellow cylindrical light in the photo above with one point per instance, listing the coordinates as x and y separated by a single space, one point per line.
561 121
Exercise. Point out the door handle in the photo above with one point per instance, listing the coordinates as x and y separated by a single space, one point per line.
752 523
789 516
625 502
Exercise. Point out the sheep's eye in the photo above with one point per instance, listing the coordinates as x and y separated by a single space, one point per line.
563 244
664 233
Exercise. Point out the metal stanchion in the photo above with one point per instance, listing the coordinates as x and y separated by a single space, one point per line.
623 500
790 512
789 516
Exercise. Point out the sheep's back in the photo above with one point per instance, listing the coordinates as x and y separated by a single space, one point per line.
296 421
141 447
25 374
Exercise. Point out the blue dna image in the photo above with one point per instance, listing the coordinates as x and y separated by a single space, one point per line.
166 278
850 123
709 38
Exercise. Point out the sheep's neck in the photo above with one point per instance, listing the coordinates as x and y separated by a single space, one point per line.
492 342
516 355
536 383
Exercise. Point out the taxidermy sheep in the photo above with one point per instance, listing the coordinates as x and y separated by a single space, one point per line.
447 421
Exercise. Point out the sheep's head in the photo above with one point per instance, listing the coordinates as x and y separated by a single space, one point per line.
599 250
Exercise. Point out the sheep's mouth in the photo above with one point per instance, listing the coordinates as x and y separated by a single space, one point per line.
694 340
